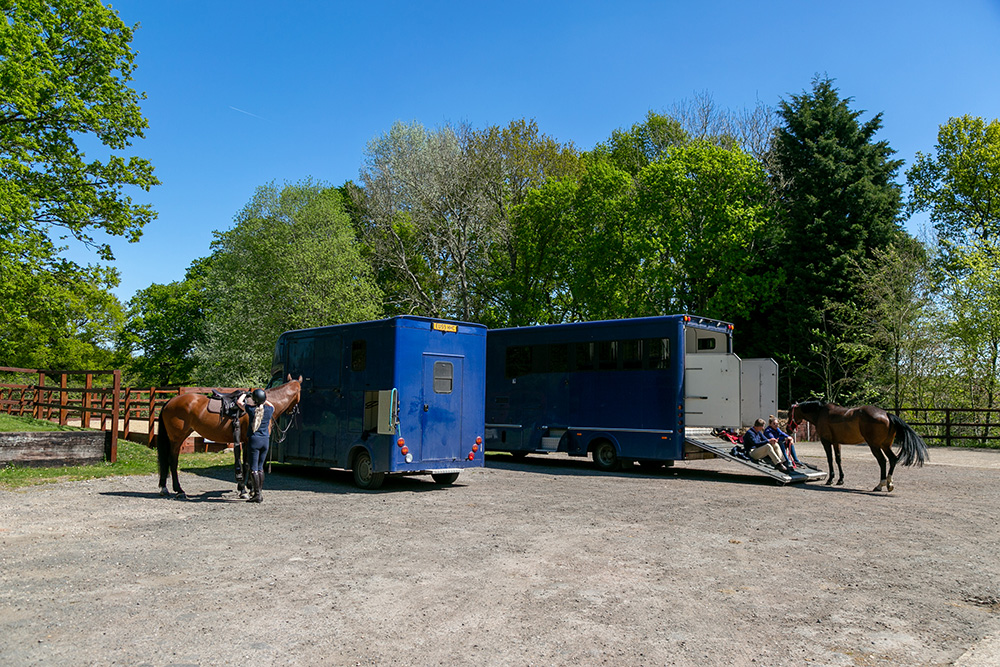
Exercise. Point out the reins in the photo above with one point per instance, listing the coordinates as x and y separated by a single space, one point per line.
291 419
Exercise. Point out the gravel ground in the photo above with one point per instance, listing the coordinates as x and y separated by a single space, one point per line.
541 562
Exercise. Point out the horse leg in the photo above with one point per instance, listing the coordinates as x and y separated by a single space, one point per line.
880 457
840 466
239 470
892 466
828 448
174 461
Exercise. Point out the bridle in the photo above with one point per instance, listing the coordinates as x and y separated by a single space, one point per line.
792 424
292 414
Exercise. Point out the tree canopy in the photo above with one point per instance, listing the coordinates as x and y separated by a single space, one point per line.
838 202
65 66
291 261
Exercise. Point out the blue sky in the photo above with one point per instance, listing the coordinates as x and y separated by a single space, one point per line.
243 94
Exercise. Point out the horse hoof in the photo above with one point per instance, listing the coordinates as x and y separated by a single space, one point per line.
181 496
163 492
840 482
829 482
244 495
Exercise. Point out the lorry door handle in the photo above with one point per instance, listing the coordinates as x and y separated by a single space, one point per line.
426 407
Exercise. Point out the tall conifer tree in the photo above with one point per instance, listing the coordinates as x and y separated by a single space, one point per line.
839 201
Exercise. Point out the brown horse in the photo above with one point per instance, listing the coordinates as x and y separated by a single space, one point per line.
187 413
866 424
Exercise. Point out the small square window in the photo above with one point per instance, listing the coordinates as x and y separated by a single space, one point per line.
444 376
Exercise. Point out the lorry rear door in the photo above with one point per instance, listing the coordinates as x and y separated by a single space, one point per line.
441 418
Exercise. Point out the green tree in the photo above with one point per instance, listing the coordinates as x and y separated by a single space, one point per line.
893 328
291 261
65 66
64 70
960 184
838 202
163 324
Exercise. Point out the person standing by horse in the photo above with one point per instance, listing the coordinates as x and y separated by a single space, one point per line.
260 414
757 446
786 443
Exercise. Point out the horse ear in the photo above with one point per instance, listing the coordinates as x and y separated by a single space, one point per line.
300 378
289 378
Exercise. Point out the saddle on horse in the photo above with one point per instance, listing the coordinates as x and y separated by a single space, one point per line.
225 405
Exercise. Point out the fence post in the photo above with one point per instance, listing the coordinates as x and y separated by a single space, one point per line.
37 411
115 406
947 427
85 402
150 436
127 413
63 399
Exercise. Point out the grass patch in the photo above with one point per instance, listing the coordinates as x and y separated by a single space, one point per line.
133 459
12 424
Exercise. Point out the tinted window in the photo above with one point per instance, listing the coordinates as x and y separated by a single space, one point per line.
585 359
359 355
444 374
657 353
607 355
518 361
558 358
706 343
631 353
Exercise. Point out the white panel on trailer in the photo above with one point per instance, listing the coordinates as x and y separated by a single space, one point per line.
758 390
712 390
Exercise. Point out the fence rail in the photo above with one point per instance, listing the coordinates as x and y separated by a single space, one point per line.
117 408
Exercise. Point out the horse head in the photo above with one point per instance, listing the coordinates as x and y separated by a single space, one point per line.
286 396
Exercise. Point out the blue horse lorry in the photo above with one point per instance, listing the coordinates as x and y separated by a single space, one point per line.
646 390
401 396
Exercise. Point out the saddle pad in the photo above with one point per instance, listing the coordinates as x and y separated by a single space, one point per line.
215 406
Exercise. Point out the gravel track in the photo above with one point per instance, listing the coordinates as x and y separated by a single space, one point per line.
541 562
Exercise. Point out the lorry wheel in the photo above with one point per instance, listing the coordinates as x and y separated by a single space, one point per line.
445 478
605 457
364 476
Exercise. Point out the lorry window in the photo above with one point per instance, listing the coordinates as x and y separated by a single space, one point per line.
607 355
706 344
518 361
631 352
585 357
359 355
444 374
657 353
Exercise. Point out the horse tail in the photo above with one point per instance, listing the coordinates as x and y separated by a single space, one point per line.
914 449
162 447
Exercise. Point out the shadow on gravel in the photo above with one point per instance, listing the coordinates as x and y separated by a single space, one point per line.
585 468
285 477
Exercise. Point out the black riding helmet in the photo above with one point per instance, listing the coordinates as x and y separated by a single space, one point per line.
259 396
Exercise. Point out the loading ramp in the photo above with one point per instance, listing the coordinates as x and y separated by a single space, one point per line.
701 444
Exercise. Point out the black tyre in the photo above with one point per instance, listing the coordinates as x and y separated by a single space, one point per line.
445 477
605 456
365 476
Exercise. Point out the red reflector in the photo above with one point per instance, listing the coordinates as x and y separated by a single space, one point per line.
479 440
475 448
471 455
404 451
400 442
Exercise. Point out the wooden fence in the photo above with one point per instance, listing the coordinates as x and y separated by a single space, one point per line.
92 399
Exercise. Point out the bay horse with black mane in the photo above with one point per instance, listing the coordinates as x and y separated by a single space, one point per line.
186 413
865 424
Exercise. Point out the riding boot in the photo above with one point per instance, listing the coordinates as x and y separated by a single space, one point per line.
258 483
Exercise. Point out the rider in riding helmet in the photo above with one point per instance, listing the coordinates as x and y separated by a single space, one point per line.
260 413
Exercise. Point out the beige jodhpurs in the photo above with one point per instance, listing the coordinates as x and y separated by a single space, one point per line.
768 450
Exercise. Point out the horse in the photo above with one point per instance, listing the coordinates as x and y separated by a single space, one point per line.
866 424
186 413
